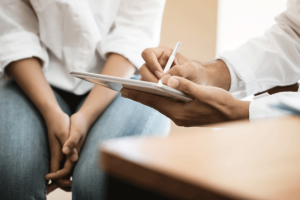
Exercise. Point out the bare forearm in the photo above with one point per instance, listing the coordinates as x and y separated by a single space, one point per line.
29 76
100 97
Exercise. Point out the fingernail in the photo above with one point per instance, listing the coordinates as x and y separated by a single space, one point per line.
165 78
124 94
158 74
66 150
173 82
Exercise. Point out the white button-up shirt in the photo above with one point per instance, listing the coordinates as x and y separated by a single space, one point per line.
77 34
266 62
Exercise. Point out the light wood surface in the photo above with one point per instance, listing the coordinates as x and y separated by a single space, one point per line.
258 160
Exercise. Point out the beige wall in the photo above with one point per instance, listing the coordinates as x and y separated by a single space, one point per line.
194 23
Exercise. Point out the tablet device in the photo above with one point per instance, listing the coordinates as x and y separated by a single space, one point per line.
117 83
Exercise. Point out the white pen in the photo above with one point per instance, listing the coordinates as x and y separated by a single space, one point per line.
171 59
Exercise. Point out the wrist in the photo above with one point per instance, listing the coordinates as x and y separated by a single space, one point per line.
219 74
241 110
50 110
87 118
96 102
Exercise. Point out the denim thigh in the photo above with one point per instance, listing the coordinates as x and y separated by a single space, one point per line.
123 117
24 154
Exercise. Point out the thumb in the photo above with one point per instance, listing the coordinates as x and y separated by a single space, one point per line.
70 145
184 85
202 93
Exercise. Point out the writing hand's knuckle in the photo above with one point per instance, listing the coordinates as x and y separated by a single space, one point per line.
190 68
174 70
190 65
167 51
181 71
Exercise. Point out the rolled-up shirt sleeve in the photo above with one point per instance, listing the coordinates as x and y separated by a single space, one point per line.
19 34
271 60
136 27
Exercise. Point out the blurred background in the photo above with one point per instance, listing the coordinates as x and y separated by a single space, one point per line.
207 27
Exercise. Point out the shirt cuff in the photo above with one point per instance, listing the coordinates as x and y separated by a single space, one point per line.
244 72
237 87
236 81
20 45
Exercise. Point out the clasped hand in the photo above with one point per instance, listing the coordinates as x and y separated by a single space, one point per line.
66 136
206 84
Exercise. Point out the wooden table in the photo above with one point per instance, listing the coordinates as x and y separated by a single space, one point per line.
258 160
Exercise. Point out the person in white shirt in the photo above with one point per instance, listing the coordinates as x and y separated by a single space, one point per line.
260 64
49 119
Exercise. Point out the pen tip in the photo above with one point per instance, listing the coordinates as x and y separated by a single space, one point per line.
177 46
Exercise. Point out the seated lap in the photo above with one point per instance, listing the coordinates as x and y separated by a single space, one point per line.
24 150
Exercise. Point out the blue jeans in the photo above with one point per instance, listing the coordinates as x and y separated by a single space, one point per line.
24 151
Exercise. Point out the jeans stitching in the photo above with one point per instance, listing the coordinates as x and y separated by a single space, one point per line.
45 190
149 124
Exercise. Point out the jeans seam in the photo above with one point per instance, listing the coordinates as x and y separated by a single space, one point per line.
45 190
148 124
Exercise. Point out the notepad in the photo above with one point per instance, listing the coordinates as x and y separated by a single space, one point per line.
117 83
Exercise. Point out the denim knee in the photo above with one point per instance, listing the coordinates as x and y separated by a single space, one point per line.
24 163
24 157
22 176
88 180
